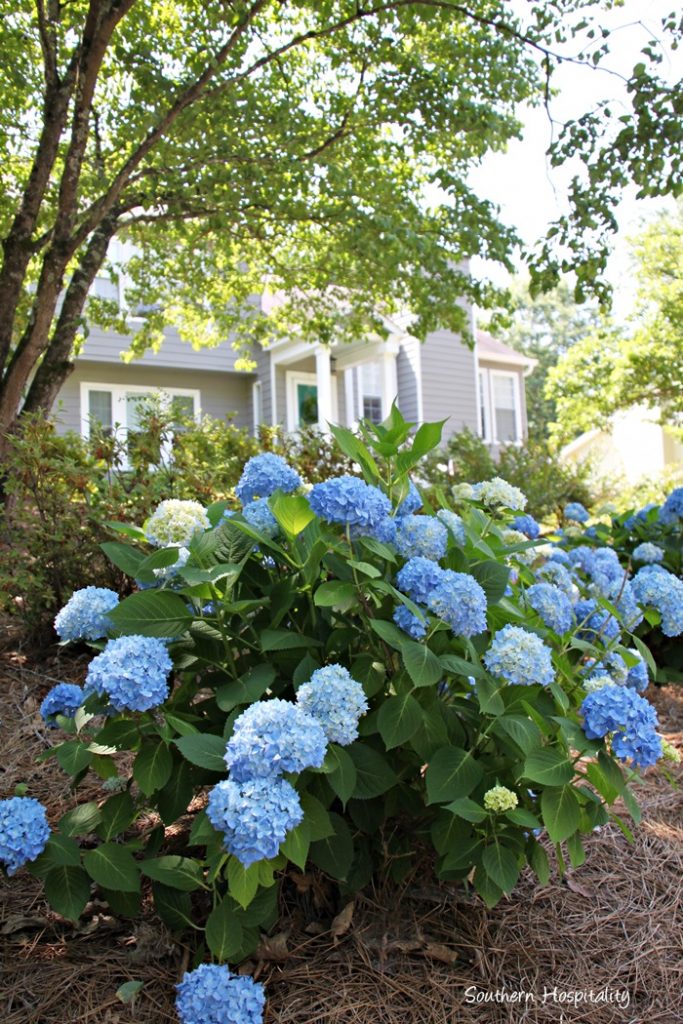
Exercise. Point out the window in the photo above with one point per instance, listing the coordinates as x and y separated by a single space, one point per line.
370 388
302 400
500 416
100 409
119 409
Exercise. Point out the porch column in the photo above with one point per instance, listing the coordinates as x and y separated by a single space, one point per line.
350 395
323 374
389 378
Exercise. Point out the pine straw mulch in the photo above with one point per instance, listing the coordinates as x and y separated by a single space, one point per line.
413 954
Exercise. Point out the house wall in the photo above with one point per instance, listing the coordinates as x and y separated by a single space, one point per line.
221 394
449 382
107 346
408 376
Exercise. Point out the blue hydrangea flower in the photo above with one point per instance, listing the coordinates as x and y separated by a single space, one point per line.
418 578
133 671
254 816
336 700
639 517
384 530
527 525
24 831
520 657
596 624
648 552
612 664
265 474
637 677
409 623
576 512
421 537
555 573
348 500
257 514
175 522
63 699
454 524
460 601
211 994
553 606
672 510
497 492
559 555
84 616
605 569
653 586
629 717
274 736
411 503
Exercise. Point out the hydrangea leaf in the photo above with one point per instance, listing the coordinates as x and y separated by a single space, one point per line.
561 812
399 718
223 930
452 773
113 867
67 889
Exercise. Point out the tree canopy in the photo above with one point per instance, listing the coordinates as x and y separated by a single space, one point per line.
297 145
610 369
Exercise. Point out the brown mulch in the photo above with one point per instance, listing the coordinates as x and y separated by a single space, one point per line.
414 954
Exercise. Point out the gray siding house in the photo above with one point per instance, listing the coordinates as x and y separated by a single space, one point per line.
297 383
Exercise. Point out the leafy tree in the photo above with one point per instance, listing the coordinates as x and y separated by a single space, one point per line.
242 142
610 370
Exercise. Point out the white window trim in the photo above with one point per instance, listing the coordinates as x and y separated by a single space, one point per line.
489 409
484 404
257 405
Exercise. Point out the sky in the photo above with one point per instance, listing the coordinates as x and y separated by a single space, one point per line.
529 192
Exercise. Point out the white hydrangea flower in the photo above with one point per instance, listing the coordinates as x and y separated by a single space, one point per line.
175 523
499 492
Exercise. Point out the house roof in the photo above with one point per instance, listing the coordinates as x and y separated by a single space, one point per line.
490 350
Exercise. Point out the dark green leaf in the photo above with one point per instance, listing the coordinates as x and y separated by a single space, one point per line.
422 665
182 873
296 844
285 640
501 866
153 766
113 867
123 556
204 750
451 774
173 907
151 613
174 798
81 820
334 855
549 767
67 889
493 578
74 756
374 775
399 718
224 930
342 776
246 690
561 812
117 813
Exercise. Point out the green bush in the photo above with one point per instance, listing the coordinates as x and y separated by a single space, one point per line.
460 763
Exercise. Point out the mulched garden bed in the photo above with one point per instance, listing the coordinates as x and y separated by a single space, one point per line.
417 954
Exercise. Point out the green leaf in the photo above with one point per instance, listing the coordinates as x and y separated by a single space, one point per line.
123 733
243 882
292 512
646 654
223 571
173 907
336 594
123 556
521 816
151 613
161 559
561 812
67 890
500 864
538 860
128 991
74 756
285 640
467 809
451 774
489 695
523 731
342 776
226 544
399 718
223 930
250 687
577 854
493 578
182 873
81 820
334 855
549 767
460 667
356 450
60 851
113 867
422 665
374 775
316 817
116 815
296 844
153 766
390 633
174 798
124 904
427 437
203 749
487 888
365 568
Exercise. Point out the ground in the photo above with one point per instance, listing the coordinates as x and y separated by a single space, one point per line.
420 954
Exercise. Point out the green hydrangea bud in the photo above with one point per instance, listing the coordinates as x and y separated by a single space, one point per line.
500 799
597 683
669 752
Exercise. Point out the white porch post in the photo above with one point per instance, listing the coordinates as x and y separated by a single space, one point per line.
350 396
323 374
389 380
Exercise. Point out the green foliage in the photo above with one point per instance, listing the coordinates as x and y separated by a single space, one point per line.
440 732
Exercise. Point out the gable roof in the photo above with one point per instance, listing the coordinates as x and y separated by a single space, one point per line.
490 350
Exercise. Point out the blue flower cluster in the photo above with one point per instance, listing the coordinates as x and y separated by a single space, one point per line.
24 831
527 525
555 573
558 555
254 815
629 718
637 677
335 700
421 537
454 524
576 512
519 657
412 625
657 588
265 474
212 994
672 510
497 492
257 514
348 500
648 552
553 606
175 522
460 601
611 664
274 736
418 578
640 517
411 503
133 671
84 616
63 699
597 625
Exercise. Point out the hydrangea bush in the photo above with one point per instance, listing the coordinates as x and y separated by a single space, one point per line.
349 682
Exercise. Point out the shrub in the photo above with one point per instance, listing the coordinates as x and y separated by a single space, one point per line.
312 729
